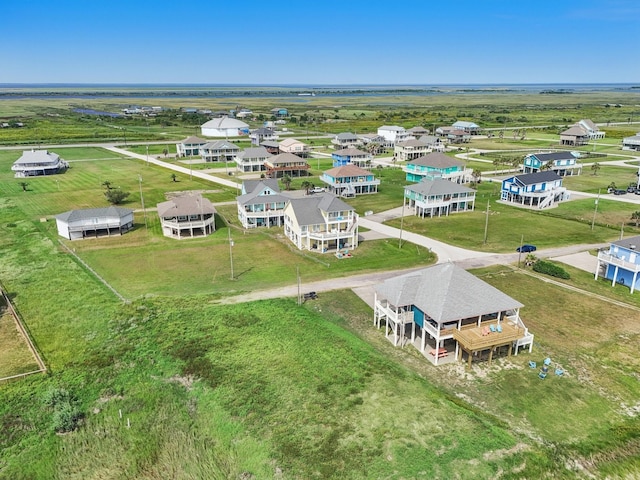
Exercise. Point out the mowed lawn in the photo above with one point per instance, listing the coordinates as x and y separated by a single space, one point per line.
81 186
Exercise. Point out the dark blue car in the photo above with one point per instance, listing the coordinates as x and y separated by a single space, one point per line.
526 248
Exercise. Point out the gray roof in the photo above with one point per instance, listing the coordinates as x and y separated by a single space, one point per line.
185 205
193 141
575 130
439 186
393 128
89 213
628 242
286 157
37 156
550 157
446 292
436 160
220 144
412 143
256 152
251 185
346 136
429 139
537 177
263 131
307 210
352 152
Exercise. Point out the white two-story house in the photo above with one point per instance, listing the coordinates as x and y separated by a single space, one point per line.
321 223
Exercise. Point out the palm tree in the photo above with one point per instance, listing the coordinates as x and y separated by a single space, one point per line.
635 216
24 186
595 166
306 185
477 175
174 177
165 152
286 179
530 259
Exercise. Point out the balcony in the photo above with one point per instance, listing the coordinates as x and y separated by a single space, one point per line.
619 262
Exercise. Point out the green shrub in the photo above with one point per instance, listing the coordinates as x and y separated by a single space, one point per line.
550 269
66 417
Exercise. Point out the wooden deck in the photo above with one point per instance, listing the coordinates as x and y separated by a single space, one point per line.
477 339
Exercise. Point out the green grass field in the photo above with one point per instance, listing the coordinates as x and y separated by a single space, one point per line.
177 384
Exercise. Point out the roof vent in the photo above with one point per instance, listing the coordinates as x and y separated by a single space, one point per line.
632 247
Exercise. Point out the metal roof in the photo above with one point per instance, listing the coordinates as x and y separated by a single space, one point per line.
185 205
446 292
436 160
89 213
439 186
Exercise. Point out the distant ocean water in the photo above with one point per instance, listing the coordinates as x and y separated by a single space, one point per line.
148 90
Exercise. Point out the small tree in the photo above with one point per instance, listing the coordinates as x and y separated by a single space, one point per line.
595 166
165 152
107 184
115 196
174 177
635 216
24 186
306 185
286 179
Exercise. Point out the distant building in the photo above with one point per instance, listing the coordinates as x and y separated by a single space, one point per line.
353 156
393 134
345 140
291 145
252 159
580 133
435 198
94 222
631 143
38 162
467 127
436 165
224 127
286 164
263 134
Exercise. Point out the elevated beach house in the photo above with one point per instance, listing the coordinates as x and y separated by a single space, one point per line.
291 145
410 150
436 165
350 180
283 164
435 198
38 162
346 156
321 223
562 163
620 263
252 159
445 312
94 222
219 151
261 203
190 146
187 216
534 190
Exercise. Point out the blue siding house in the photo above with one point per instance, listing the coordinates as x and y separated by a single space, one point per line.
534 190
562 163
434 166
621 263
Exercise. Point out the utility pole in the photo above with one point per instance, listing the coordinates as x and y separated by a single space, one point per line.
595 210
298 279
144 210
486 224
401 223
230 249
520 249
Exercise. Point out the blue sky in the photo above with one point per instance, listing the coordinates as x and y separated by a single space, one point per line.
321 42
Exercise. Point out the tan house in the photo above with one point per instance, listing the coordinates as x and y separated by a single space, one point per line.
187 216
286 164
291 145
410 150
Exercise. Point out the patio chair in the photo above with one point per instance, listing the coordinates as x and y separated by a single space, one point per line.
547 361
492 327
542 375
532 364
559 372
499 328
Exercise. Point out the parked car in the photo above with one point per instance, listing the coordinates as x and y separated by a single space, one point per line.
526 248
619 191
316 190
631 189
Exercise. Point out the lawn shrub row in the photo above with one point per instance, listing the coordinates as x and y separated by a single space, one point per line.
548 268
